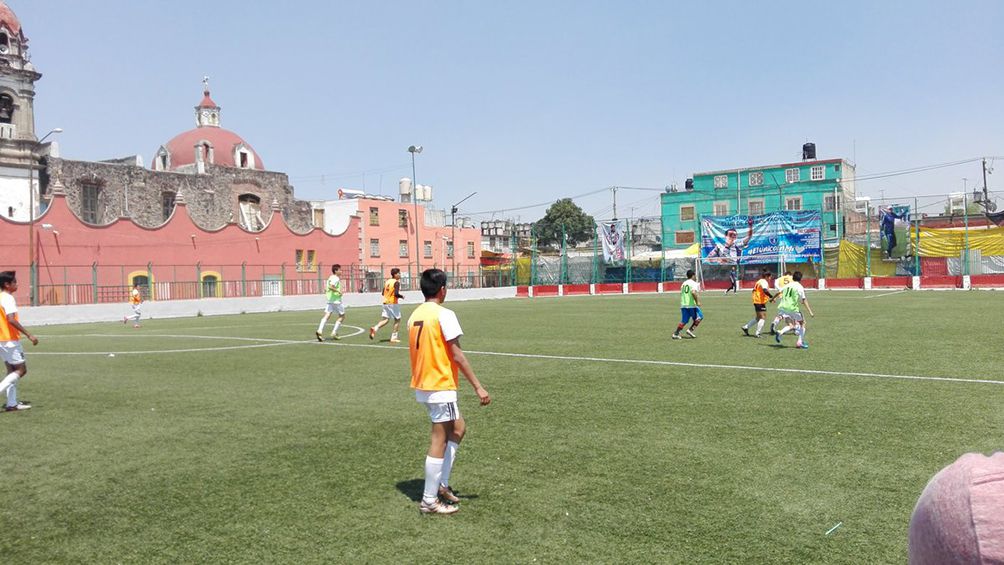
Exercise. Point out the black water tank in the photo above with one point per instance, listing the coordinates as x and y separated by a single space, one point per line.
808 151
689 184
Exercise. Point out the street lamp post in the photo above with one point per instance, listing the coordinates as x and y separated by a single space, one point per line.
453 231
32 272
414 200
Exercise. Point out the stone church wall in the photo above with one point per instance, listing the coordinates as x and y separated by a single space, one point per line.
133 191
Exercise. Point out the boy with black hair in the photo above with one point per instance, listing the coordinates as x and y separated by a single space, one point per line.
761 295
10 342
779 284
333 290
136 301
391 306
690 305
434 345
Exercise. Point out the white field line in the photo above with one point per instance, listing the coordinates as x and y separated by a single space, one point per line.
886 294
276 342
259 342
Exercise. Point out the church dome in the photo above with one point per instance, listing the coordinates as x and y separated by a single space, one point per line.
9 20
207 144
226 149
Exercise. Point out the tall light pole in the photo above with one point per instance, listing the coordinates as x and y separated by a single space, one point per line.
453 231
414 199
32 272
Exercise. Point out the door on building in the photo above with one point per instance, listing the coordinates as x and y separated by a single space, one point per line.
271 285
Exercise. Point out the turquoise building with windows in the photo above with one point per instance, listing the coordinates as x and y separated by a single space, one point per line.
826 185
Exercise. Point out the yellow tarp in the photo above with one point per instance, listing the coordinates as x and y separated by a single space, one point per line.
852 263
951 242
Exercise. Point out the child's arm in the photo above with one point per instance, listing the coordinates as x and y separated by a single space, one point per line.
465 368
697 299
807 307
17 325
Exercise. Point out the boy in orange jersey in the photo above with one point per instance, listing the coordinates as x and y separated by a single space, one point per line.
10 342
434 344
391 308
136 301
761 296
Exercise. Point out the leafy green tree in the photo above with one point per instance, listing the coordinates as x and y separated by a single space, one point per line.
578 225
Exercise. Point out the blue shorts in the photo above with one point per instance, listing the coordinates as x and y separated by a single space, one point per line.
693 313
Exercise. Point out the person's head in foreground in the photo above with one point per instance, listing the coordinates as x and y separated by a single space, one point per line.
433 283
959 517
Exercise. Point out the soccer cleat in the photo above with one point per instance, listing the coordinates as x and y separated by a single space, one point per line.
677 336
395 340
691 334
336 337
802 345
446 494
437 507
777 337
135 325
745 330
18 406
319 336
773 329
372 333
756 336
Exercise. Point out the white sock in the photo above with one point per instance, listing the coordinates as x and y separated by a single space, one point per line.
12 394
320 327
448 458
8 381
800 331
750 323
393 335
776 320
759 326
783 330
338 324
433 471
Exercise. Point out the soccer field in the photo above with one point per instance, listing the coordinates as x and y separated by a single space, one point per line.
241 439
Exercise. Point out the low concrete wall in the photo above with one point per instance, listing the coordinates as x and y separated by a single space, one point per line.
49 315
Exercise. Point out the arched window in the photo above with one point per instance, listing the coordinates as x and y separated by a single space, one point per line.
250 209
167 204
4 43
6 109
210 285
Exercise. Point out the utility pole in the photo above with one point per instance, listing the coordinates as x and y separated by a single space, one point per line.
614 190
453 231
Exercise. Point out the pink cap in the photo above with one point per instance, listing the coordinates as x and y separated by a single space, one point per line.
959 517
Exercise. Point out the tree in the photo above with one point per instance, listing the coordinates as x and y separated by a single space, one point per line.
578 225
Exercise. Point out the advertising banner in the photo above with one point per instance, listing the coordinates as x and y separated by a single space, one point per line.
612 236
790 236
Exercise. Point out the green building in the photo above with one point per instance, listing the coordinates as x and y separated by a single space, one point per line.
826 185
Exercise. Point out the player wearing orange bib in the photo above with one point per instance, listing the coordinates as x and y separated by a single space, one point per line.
135 300
761 296
391 307
434 344
10 342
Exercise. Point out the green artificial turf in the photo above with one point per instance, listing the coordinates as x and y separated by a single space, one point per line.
300 452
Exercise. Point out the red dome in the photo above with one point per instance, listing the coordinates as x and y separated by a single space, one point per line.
223 142
8 19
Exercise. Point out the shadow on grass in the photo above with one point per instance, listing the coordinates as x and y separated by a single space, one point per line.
413 488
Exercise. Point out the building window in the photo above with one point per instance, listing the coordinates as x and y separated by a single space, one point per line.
686 213
318 217
721 208
817 172
829 203
470 249
721 181
244 159
167 204
793 203
791 175
90 209
402 248
374 216
374 248
6 108
306 261
250 209
402 218
210 286
449 249
756 178
427 249
684 237
163 162
756 207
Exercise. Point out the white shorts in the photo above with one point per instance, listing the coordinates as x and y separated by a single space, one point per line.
794 316
136 308
12 352
440 412
335 307
391 311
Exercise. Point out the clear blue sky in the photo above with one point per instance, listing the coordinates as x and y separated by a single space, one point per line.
527 102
